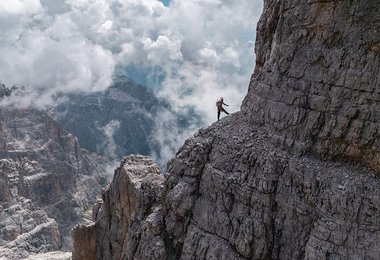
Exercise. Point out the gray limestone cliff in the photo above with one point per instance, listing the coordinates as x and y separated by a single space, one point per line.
315 85
46 183
129 219
294 175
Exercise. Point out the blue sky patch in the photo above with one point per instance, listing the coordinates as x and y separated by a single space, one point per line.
165 2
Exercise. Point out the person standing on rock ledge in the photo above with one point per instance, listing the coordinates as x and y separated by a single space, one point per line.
219 106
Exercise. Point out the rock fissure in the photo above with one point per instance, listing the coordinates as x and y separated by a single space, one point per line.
228 242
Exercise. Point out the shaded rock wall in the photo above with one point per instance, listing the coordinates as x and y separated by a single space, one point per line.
84 238
128 223
249 199
316 79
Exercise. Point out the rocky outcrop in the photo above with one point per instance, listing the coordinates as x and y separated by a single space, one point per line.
232 194
46 183
295 174
26 229
129 220
4 91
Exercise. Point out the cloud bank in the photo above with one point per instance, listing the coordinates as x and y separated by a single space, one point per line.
192 51
44 50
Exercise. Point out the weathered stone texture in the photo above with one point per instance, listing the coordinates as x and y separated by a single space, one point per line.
85 242
46 183
316 80
252 200
233 194
129 221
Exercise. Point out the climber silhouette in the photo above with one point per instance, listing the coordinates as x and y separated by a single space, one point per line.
219 106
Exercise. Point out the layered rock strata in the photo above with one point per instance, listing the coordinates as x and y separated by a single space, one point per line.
295 174
46 183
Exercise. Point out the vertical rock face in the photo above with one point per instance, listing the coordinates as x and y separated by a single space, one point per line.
295 175
316 80
46 183
85 238
129 222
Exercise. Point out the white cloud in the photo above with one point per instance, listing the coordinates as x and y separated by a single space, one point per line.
201 47
19 7
162 50
106 26
109 143
49 54
169 137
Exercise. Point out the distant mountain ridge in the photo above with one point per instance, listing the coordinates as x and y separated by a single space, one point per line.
120 120
115 122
